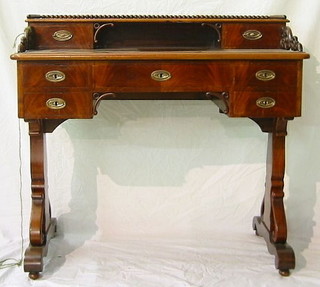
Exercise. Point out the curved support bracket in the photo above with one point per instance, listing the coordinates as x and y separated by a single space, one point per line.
220 99
98 28
97 97
216 27
265 124
268 125
48 126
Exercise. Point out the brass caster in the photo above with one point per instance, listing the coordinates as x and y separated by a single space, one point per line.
284 273
34 275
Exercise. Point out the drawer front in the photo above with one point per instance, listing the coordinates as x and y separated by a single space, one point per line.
62 36
267 75
266 89
258 104
57 105
55 75
174 76
251 35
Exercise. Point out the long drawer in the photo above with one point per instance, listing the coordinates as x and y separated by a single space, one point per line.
169 76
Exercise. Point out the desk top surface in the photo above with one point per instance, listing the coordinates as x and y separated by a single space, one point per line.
107 54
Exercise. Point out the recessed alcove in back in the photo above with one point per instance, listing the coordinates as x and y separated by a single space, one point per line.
157 36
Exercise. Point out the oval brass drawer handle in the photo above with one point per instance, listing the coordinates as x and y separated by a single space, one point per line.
55 76
265 102
62 35
160 75
56 103
252 35
265 75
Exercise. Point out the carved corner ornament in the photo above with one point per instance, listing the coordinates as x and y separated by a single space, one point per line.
26 40
290 42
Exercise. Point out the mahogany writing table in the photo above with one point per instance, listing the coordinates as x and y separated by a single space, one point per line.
249 66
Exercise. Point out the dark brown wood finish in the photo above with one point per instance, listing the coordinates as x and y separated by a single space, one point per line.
42 226
232 37
43 35
250 66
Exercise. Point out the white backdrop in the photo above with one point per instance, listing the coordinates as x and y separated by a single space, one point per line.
160 193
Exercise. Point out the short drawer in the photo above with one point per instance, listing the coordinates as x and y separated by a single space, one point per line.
257 104
57 105
54 75
251 35
267 75
62 35
174 76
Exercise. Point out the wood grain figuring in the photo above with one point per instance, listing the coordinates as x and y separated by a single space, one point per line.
193 57
286 74
43 36
78 105
232 36
185 76
243 104
77 75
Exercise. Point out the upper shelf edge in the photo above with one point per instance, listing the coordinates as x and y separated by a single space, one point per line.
89 18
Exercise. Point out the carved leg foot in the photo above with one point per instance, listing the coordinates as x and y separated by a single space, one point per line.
284 254
33 261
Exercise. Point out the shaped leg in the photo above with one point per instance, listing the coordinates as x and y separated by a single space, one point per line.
42 226
271 224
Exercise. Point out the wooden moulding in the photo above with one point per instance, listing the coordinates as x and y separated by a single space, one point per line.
104 54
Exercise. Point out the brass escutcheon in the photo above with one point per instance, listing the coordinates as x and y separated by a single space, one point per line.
265 75
252 35
56 103
265 102
160 75
62 35
55 76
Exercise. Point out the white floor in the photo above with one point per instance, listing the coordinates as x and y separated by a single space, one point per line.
224 260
